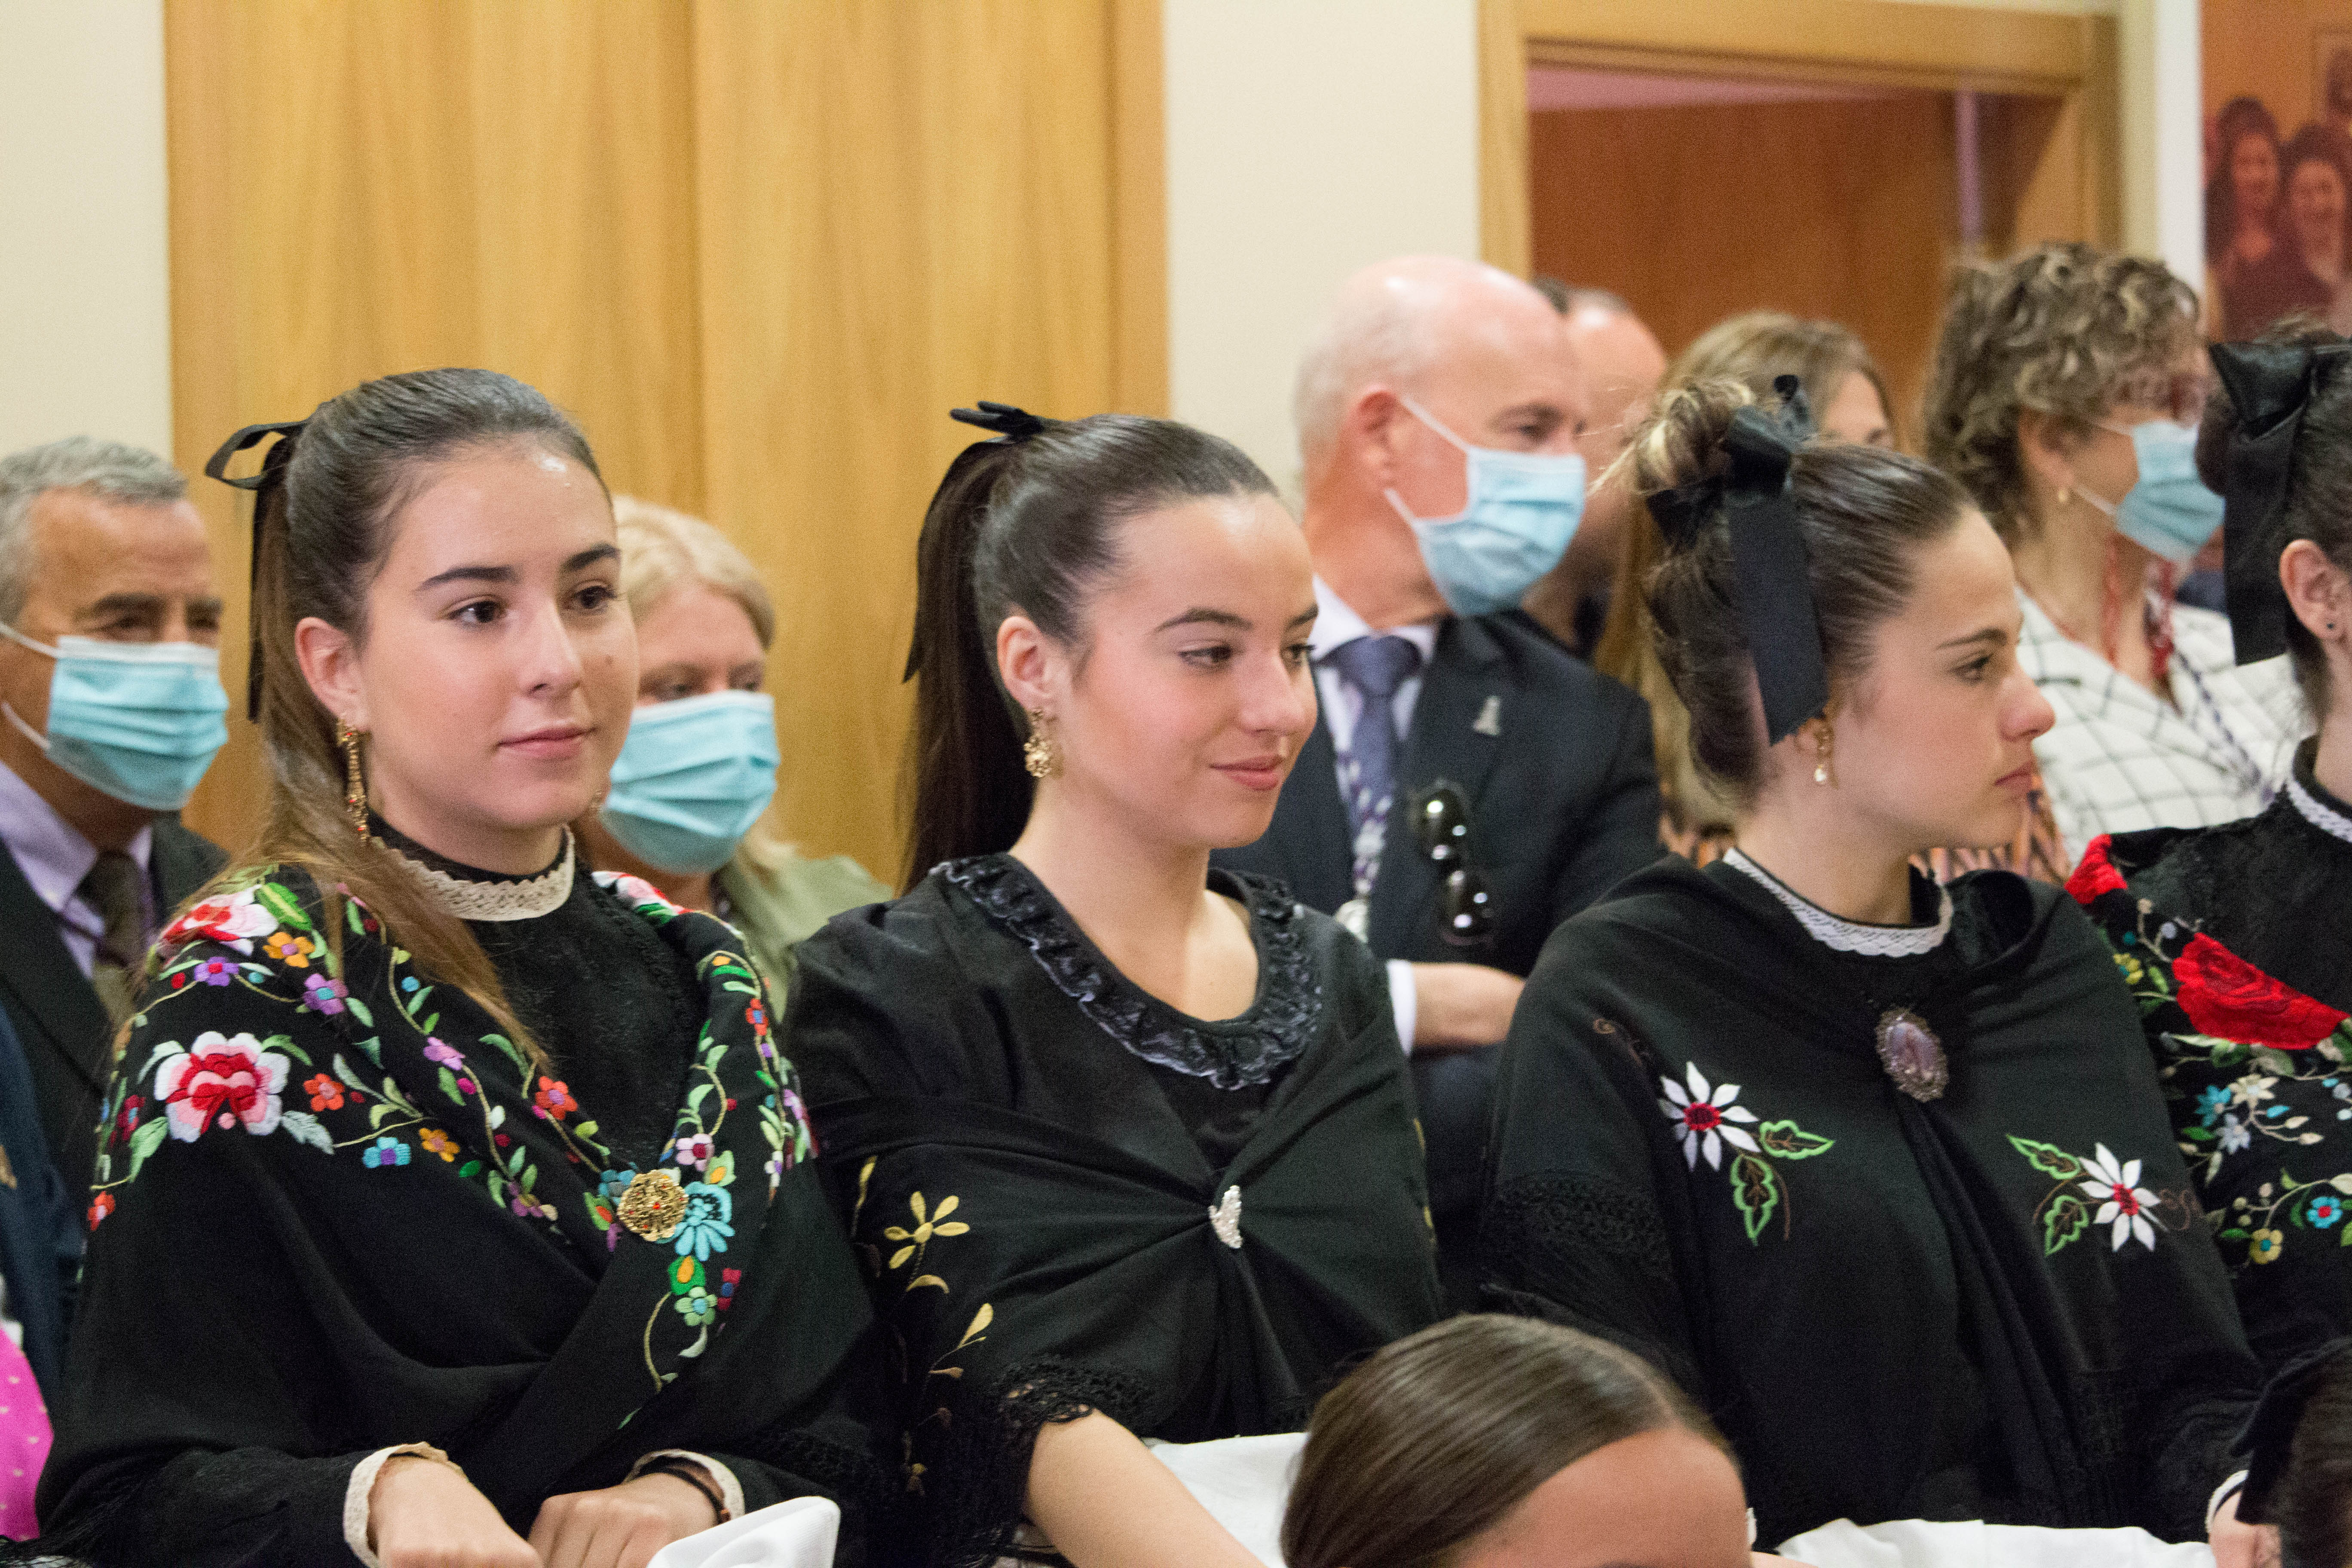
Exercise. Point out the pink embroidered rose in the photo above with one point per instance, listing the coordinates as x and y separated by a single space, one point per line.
234 919
221 1081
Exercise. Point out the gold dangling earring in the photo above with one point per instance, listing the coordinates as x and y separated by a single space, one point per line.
354 786
1037 751
2065 495
1821 745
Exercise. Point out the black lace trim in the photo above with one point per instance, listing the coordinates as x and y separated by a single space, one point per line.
1249 1049
976 1508
1534 1219
869 1494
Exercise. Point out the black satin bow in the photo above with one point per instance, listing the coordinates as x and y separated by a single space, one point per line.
2270 385
2268 1439
272 471
1010 427
1768 553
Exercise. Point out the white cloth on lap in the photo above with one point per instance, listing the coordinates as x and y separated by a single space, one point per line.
1919 1543
1244 1482
795 1534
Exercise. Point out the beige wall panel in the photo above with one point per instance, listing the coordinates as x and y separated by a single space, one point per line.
389 185
902 210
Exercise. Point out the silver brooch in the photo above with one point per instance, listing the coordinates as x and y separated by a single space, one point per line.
1911 1054
1226 1219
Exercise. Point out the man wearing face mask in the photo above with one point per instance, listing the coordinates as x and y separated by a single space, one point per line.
111 711
1468 784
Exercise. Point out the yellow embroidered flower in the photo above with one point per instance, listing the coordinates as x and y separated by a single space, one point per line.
435 1142
294 952
2267 1245
926 1226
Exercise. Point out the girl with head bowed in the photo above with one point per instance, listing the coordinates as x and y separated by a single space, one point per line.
1877 1171
453 1207
1125 1143
2234 938
699 768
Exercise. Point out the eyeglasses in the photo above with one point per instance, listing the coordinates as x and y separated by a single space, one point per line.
2180 395
1441 826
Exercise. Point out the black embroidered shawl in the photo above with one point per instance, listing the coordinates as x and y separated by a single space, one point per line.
336 1211
1996 1304
1005 1119
2236 944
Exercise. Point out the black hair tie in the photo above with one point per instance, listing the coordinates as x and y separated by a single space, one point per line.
2270 385
1002 420
272 472
1011 427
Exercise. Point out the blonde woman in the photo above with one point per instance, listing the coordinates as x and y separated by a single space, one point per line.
1847 393
699 765
2063 397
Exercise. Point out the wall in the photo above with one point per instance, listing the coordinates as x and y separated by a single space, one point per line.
1306 139
85 293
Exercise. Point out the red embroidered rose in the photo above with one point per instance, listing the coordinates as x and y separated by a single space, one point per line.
2095 875
2226 996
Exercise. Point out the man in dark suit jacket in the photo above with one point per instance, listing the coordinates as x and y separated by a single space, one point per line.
40 1231
97 540
1550 784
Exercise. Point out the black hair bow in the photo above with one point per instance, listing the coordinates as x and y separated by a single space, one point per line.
2270 384
2268 1439
272 471
1011 427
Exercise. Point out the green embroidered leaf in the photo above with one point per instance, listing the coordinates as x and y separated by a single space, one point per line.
1787 1141
280 903
2343 1238
306 1129
430 1024
449 1086
2235 1232
2048 1158
722 1171
586 1129
1755 1192
695 1096
378 1112
2198 1135
470 1169
145 1141
360 1011
2064 1220
343 1071
351 918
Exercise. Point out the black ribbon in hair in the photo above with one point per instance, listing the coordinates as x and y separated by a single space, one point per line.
1768 553
2270 384
272 472
1009 426
2268 1439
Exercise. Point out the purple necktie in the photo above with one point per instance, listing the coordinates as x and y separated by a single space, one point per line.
1374 667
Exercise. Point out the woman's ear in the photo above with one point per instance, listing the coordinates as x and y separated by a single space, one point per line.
2046 450
2318 590
1029 664
329 662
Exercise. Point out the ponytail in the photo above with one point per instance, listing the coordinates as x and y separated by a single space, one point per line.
1026 524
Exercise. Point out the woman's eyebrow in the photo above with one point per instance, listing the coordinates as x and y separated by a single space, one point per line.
1202 616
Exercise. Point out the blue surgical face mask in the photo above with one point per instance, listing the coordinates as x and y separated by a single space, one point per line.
1521 513
692 778
139 721
2168 509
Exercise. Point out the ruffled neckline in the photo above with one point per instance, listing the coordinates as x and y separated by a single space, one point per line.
473 894
1248 1048
1859 937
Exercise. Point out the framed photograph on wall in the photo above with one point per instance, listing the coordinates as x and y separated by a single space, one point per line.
2331 75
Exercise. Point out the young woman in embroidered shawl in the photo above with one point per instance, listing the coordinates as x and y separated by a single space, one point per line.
1878 1173
1127 1143
2235 939
453 1206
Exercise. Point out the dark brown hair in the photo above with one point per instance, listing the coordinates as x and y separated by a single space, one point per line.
2306 1491
1436 1438
2318 485
1026 526
322 537
1864 512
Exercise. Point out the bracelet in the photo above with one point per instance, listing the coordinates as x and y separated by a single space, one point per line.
694 1476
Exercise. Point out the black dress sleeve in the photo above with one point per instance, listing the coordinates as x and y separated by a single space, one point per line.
1578 1229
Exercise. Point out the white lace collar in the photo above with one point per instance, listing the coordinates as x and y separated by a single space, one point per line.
503 900
2323 816
1842 935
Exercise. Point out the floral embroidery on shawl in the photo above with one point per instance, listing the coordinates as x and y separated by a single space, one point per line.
1705 1117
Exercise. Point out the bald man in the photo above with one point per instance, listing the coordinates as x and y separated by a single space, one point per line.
1622 362
1469 785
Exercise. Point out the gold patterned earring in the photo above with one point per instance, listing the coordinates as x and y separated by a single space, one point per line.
354 786
1038 752
1823 742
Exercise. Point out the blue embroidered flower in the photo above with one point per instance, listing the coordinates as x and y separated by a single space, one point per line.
2324 1212
2210 1102
706 1228
384 1153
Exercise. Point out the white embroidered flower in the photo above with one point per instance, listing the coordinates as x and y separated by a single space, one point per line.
2233 1134
220 1081
1703 1118
2253 1088
2124 1201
